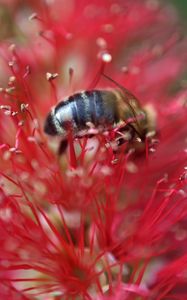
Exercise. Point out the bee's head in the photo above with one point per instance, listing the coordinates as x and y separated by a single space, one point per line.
50 125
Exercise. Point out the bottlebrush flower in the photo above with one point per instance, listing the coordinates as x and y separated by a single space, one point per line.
97 222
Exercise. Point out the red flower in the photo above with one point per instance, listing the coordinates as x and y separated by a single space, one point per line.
99 221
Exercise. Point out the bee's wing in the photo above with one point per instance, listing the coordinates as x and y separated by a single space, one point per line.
127 97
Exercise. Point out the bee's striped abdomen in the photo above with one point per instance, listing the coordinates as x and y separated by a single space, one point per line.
86 107
79 111
89 106
100 109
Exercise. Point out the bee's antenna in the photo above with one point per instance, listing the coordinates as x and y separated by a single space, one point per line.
120 86
97 76
109 78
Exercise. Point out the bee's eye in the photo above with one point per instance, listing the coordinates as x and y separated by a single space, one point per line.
49 126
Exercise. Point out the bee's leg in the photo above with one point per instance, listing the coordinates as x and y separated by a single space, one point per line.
62 147
120 141
125 134
135 131
89 136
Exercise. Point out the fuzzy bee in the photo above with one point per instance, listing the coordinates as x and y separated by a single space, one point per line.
90 112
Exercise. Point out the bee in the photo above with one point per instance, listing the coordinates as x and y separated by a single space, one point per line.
89 112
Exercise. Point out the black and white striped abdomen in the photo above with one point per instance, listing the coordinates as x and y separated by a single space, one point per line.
96 107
